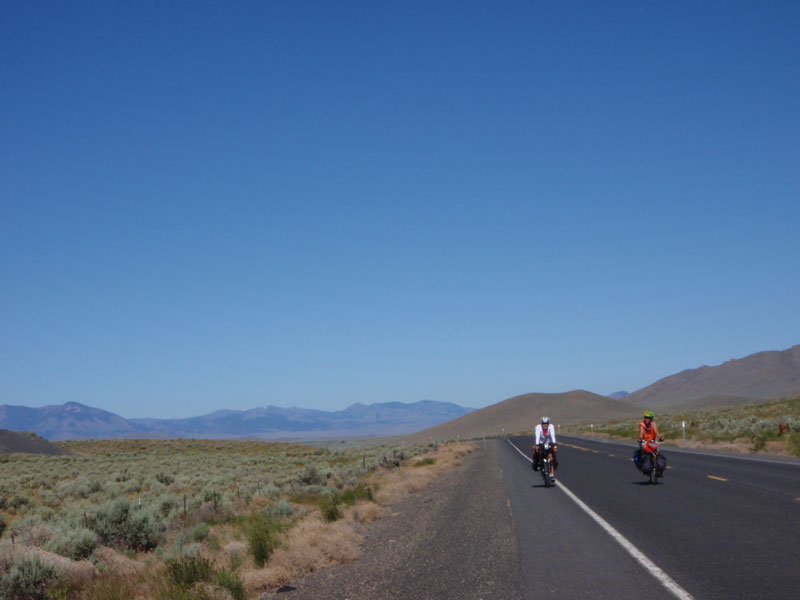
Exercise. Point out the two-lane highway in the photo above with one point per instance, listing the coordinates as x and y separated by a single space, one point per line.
717 526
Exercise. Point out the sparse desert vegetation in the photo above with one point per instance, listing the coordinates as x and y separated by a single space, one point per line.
768 426
174 519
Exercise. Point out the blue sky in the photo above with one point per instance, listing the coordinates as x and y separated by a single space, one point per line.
229 205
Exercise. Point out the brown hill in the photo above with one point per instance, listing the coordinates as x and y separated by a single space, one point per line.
522 413
761 376
28 442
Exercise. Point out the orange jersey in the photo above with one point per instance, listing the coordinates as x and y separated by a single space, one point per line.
648 433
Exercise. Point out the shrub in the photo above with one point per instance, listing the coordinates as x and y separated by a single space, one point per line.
236 559
3 525
20 502
311 476
329 507
261 538
165 478
200 532
231 582
793 443
185 572
28 579
425 461
72 543
350 496
192 550
283 508
118 523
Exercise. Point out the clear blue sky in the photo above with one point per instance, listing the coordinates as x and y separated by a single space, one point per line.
229 205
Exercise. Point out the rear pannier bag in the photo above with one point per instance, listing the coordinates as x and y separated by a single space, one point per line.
661 463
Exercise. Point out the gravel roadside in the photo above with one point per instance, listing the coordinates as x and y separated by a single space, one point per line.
453 540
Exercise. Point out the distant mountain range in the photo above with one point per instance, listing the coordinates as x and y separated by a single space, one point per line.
73 420
758 377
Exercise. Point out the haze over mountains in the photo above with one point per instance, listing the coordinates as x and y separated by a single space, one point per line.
760 376
73 420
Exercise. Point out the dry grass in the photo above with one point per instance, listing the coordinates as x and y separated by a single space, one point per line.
314 545
118 564
311 546
399 484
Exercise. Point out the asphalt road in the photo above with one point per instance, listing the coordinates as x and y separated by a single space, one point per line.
719 527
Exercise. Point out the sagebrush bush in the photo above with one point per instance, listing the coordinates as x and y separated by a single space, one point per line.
74 543
121 524
283 508
192 550
20 503
28 579
312 476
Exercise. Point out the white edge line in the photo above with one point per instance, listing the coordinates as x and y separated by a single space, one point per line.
664 579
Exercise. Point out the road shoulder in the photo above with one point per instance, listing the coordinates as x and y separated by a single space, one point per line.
453 539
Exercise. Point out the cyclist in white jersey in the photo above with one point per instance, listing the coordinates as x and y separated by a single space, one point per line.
544 431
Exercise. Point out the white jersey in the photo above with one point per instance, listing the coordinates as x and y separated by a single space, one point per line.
540 435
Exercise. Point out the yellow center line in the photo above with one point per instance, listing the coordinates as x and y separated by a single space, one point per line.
669 467
717 478
612 454
579 448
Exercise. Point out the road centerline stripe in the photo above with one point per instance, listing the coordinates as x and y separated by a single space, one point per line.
717 478
670 584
